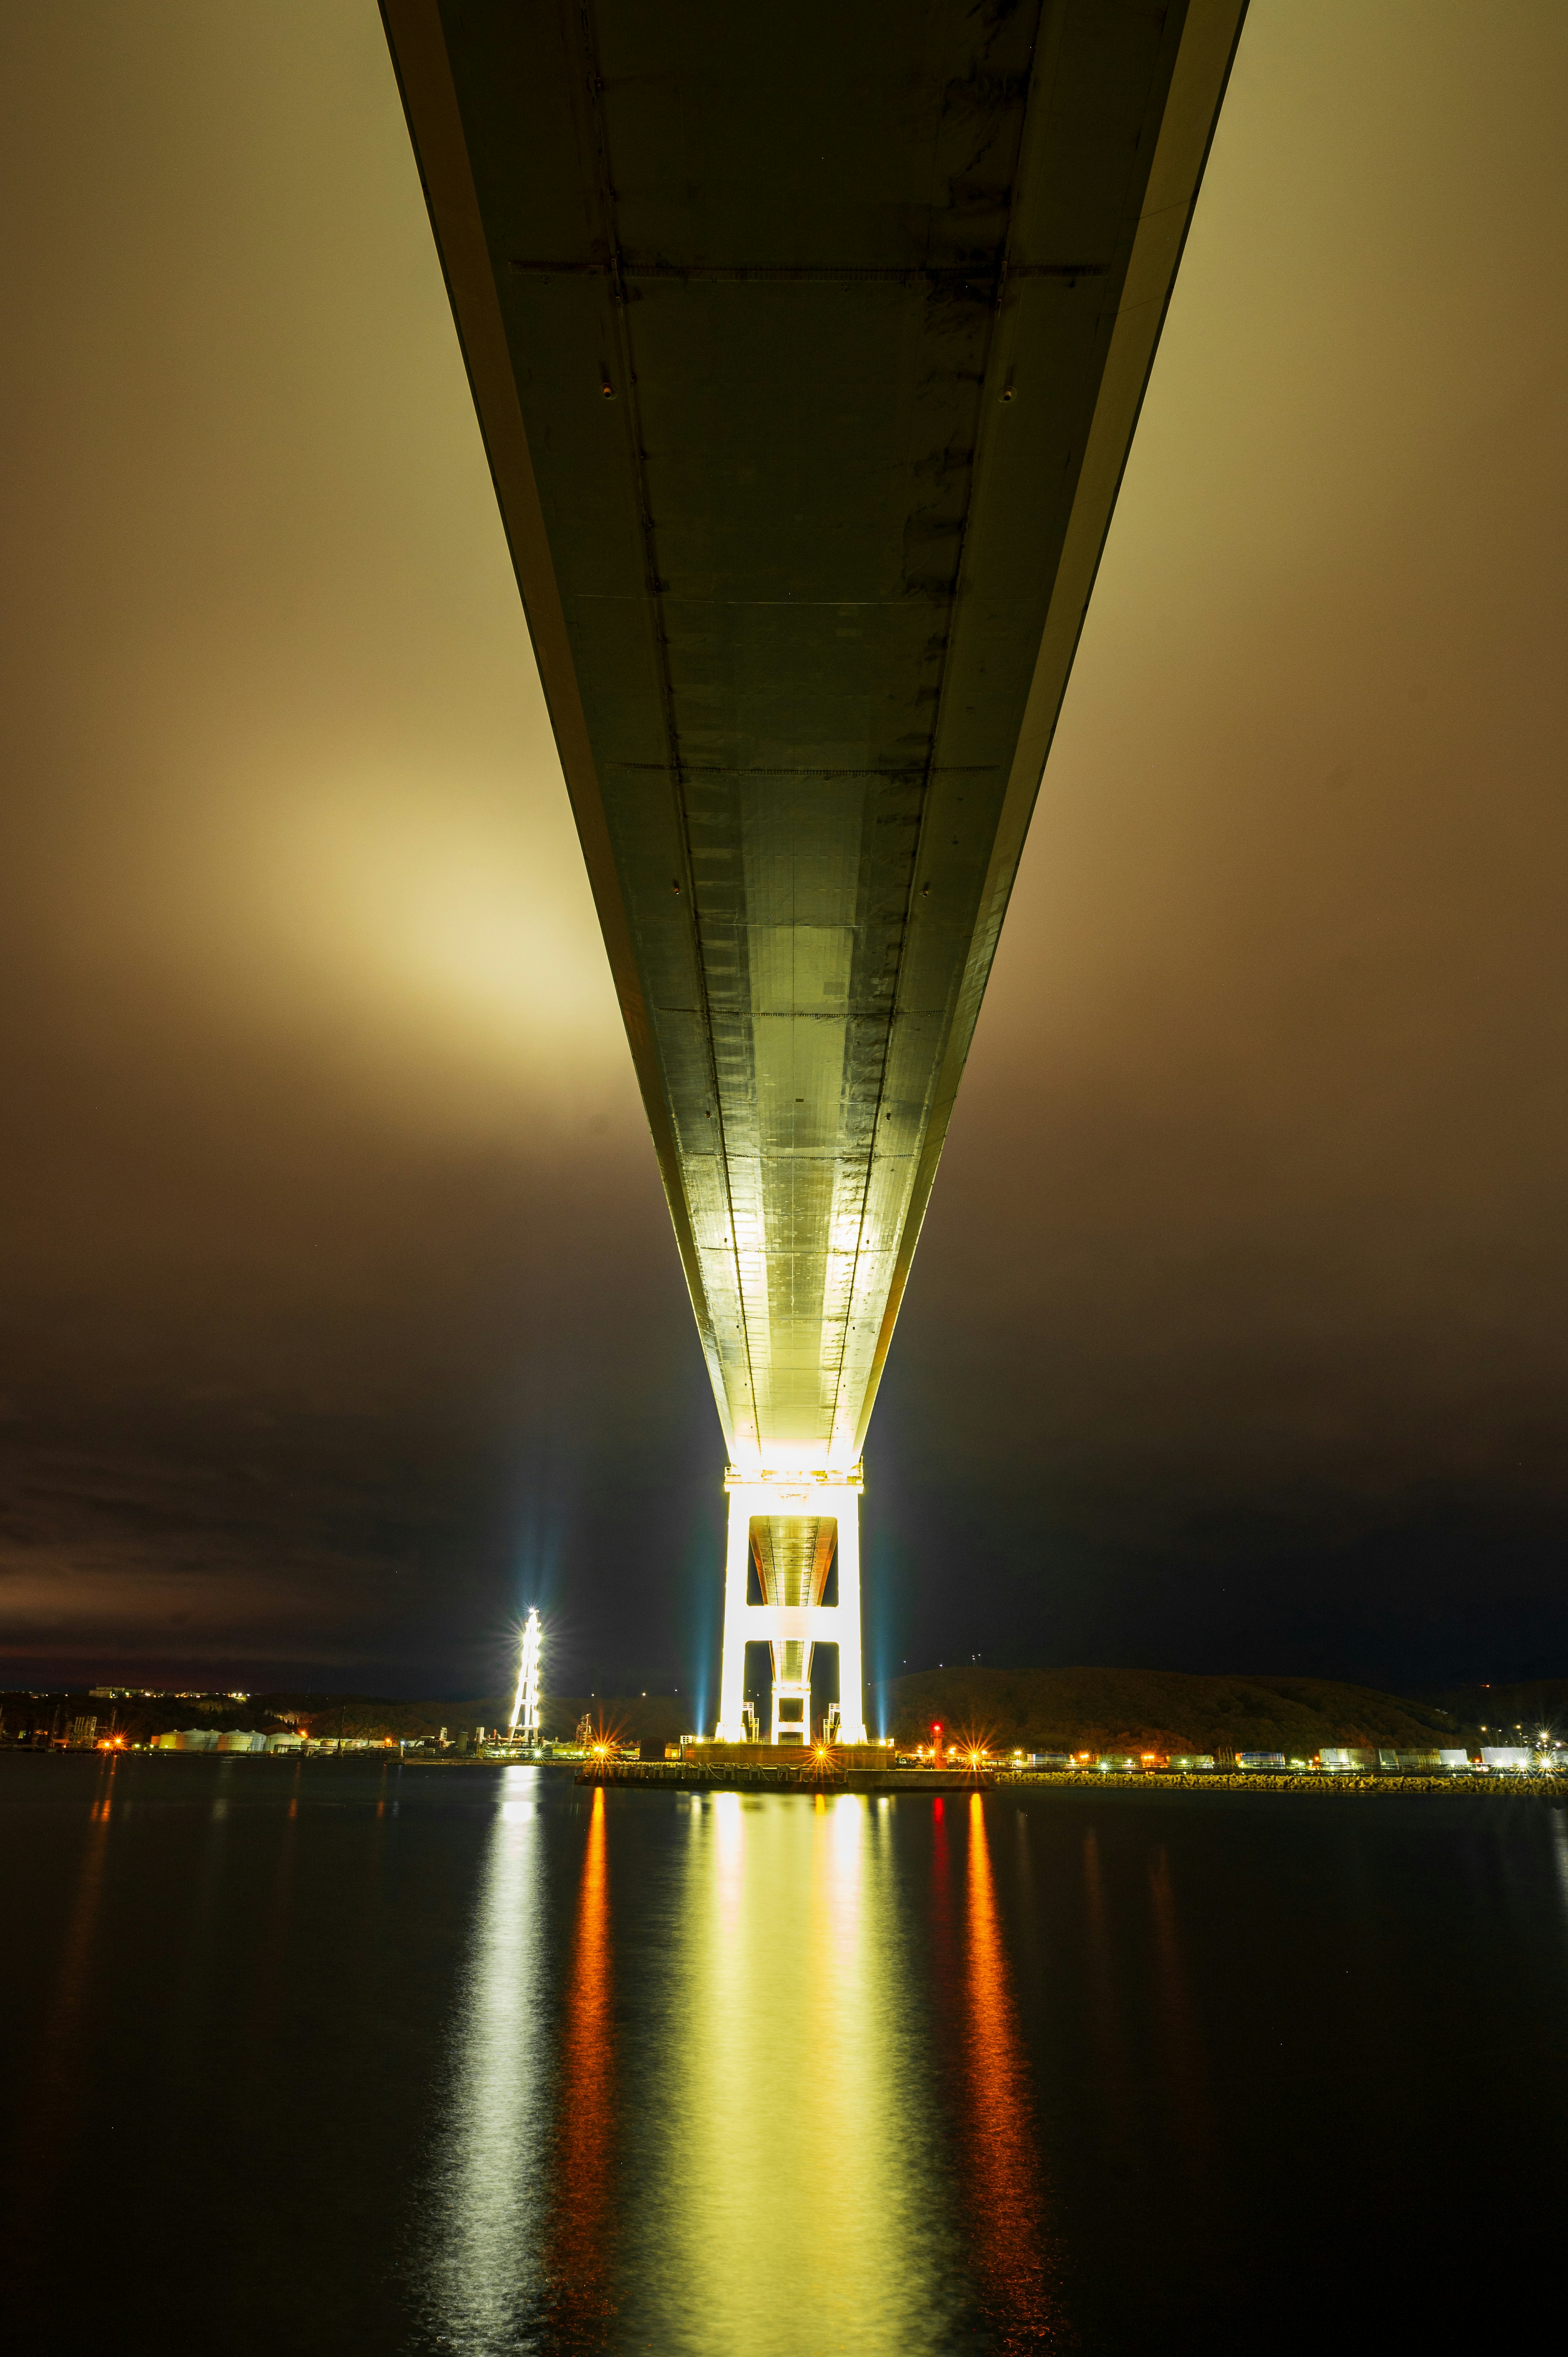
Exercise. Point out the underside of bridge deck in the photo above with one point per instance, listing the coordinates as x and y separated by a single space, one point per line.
806 344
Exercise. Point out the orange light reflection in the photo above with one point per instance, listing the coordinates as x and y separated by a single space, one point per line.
578 2265
1004 2170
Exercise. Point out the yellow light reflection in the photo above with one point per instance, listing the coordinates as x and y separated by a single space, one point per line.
795 2197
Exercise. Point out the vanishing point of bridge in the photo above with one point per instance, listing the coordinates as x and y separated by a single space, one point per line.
807 345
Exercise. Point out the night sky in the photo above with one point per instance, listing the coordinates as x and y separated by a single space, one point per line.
341 1316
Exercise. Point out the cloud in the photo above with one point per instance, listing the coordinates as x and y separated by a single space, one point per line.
338 1297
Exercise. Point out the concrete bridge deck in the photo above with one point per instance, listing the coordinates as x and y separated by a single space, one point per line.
808 345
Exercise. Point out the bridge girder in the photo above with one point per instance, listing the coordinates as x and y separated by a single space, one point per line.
807 346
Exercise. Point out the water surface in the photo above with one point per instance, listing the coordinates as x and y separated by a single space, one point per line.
343 2057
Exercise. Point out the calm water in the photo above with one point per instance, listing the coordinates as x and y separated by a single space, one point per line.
330 2058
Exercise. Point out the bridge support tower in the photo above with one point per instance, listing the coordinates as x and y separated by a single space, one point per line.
792 1527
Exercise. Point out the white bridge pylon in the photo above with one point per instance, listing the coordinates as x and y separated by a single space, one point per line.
795 1524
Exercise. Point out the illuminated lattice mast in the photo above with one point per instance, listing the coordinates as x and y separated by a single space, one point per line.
525 1707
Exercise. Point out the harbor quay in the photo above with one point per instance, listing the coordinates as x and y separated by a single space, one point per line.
770 1767
729 1767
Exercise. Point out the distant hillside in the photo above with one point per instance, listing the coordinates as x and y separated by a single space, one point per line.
1041 1710
1533 1703
1159 1710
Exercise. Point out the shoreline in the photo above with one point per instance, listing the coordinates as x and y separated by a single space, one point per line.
676 1776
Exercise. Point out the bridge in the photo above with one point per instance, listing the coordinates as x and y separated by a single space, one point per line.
807 345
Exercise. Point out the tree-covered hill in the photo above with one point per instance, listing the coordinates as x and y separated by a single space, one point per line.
1159 1710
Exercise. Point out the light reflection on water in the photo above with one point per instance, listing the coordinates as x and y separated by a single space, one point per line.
815 2145
789 2209
1004 2183
486 2269
498 2067
579 2261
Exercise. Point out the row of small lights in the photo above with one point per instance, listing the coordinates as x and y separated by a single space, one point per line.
973 1755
